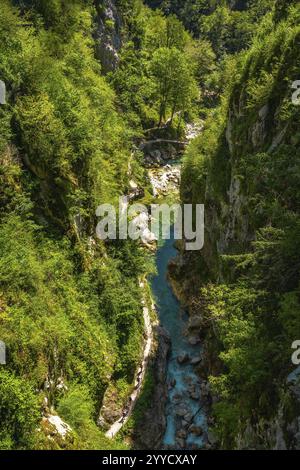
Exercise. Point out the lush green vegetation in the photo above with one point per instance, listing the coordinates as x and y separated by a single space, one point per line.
70 306
245 167
229 25
156 77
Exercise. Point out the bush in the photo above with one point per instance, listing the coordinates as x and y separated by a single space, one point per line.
19 412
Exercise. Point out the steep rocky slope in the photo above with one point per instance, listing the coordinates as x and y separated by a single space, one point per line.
243 289
108 36
71 305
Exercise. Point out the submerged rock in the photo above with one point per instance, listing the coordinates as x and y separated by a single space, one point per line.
172 383
181 434
182 411
177 397
188 417
195 395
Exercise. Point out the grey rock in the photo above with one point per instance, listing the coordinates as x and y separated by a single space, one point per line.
195 322
188 417
196 430
194 340
107 35
212 438
180 443
177 398
195 360
182 434
183 358
172 383
182 411
151 431
263 112
297 441
195 395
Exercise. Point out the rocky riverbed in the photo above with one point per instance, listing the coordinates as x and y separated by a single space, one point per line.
165 179
188 397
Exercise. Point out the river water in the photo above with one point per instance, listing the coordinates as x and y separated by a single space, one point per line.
185 417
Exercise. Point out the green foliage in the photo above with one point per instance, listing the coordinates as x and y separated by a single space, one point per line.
204 58
174 83
228 25
71 306
251 143
18 412
42 299
77 408
155 78
164 32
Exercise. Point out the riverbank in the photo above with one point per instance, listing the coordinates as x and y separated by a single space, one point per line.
123 413
140 375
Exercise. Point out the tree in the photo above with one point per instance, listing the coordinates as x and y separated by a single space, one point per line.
202 55
165 32
174 80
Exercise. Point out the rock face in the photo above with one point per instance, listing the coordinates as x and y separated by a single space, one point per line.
108 34
2 92
150 433
165 179
279 433
59 434
195 360
231 229
111 409
231 222
158 152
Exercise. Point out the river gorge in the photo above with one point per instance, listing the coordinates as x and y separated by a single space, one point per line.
181 414
186 420
185 409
